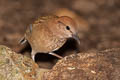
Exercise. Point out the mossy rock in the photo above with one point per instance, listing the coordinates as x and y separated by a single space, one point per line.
14 66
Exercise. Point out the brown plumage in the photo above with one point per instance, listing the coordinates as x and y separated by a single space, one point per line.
49 33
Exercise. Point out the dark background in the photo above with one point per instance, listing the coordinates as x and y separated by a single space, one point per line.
102 16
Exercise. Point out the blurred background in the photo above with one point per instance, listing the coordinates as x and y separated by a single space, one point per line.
98 20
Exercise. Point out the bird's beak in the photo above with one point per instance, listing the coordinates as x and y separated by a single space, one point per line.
76 38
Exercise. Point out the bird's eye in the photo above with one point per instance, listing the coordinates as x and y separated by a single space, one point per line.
67 27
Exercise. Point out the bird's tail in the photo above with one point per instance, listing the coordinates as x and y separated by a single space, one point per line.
22 40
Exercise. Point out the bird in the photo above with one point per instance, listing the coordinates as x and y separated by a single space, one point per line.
49 33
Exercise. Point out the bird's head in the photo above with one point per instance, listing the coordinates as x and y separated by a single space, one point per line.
66 28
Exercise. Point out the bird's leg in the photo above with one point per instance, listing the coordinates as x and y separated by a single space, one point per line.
33 55
51 53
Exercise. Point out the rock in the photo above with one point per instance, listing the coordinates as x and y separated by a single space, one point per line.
85 6
104 65
15 66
